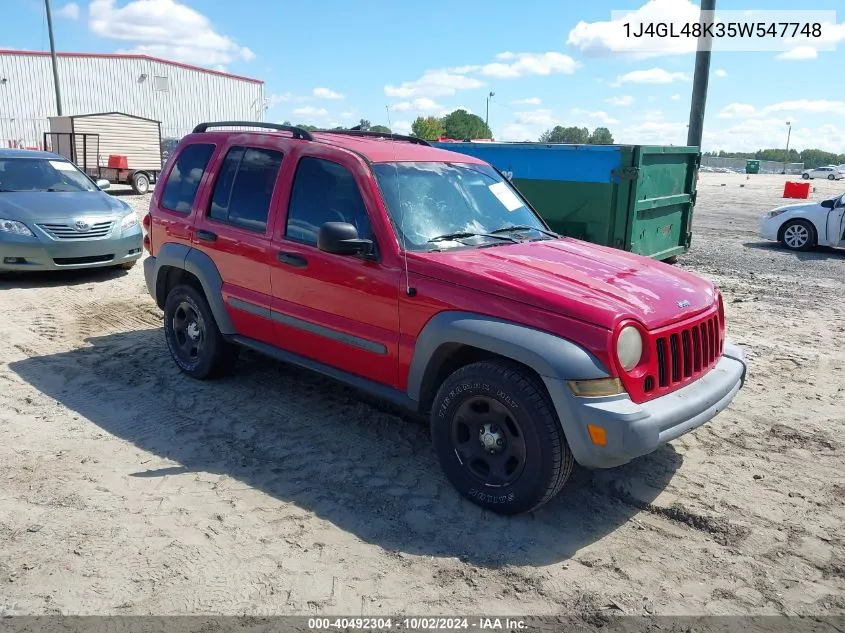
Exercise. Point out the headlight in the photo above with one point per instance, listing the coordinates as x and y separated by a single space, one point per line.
15 228
774 213
629 347
129 221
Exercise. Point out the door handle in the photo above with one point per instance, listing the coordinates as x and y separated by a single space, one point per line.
292 259
206 236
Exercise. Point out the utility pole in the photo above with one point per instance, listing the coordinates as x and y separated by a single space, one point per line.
786 158
700 80
487 116
53 55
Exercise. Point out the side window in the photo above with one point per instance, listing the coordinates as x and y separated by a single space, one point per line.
184 180
322 192
244 187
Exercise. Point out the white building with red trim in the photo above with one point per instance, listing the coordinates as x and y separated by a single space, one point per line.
178 95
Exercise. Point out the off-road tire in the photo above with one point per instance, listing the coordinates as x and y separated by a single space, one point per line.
548 460
216 357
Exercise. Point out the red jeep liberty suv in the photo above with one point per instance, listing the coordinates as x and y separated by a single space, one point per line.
423 277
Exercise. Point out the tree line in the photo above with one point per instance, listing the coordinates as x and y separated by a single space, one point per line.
810 157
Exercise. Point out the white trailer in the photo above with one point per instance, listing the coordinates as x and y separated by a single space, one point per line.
118 147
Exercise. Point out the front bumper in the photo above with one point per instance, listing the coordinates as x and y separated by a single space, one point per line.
633 430
769 227
19 253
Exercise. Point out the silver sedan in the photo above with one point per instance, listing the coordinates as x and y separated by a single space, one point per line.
53 216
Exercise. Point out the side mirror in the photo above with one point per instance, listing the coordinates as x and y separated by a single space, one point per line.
341 238
103 184
828 204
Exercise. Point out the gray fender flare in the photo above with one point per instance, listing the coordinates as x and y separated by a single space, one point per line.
547 354
203 268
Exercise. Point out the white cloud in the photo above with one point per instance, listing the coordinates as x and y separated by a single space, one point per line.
446 111
650 76
811 106
433 83
286 97
401 127
523 64
799 53
675 97
517 132
609 38
422 105
311 111
155 27
70 11
653 115
721 72
542 117
326 93
529 101
621 102
598 116
349 114
463 70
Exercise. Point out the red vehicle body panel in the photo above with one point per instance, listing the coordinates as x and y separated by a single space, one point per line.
579 291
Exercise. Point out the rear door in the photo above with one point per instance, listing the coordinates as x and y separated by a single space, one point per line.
234 229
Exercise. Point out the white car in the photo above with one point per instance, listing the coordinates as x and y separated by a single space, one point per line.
801 227
830 172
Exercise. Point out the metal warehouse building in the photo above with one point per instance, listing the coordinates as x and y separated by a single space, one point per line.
178 95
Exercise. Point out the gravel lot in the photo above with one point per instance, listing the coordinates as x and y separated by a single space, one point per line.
130 489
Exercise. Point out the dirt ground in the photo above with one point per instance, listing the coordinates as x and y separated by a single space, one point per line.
127 488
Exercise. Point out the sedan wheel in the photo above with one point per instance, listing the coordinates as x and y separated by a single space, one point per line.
799 235
831 177
805 176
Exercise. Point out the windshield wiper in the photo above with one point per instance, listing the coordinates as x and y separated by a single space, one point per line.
463 234
521 227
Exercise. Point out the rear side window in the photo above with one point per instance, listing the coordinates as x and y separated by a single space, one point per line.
324 191
184 179
244 187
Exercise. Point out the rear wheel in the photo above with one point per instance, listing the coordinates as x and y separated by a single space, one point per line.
831 177
805 176
140 183
798 235
192 336
498 438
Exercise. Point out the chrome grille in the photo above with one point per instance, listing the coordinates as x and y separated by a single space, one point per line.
71 232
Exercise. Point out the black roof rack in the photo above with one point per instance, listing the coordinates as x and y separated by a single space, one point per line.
371 134
297 132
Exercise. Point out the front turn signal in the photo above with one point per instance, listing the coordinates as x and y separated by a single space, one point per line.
596 388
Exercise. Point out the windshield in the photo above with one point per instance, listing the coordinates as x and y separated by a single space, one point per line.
431 200
41 174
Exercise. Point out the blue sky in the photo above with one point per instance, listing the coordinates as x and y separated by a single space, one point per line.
549 62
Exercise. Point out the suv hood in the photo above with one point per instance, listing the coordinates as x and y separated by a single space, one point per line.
46 206
595 284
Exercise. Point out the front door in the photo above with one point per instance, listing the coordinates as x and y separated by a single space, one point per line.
340 310
234 231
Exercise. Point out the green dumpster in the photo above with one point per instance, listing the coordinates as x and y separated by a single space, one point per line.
638 198
752 167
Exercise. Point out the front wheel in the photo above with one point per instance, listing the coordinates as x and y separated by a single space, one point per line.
831 177
498 438
799 235
192 336
805 176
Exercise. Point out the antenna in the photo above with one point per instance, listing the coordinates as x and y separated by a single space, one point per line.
411 292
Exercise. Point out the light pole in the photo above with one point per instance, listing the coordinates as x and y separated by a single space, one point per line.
788 134
699 81
487 116
53 55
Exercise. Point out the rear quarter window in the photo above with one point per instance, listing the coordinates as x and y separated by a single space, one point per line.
182 183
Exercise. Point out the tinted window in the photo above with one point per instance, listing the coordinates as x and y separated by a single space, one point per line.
324 192
184 180
244 187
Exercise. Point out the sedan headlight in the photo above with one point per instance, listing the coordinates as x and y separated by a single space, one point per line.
629 347
130 221
15 228
774 213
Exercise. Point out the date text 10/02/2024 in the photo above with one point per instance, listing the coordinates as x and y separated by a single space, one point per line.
723 29
416 624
